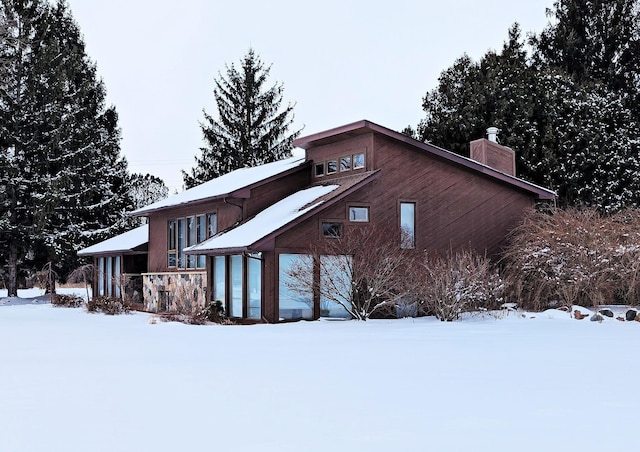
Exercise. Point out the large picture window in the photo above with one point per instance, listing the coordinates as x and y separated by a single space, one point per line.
295 303
189 231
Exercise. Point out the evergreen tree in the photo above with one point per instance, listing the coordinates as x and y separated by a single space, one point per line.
595 40
251 128
146 189
569 109
65 180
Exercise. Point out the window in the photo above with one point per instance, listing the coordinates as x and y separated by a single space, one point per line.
171 244
332 229
295 299
182 240
358 160
332 166
236 286
359 214
101 276
407 225
117 277
254 286
345 163
219 279
213 224
185 232
201 236
191 240
319 169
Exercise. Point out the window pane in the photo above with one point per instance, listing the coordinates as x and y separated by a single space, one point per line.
171 260
320 169
213 224
295 294
345 163
254 289
332 229
182 225
358 160
191 240
109 265
171 235
101 276
332 166
202 228
335 286
359 214
219 279
408 224
235 276
117 277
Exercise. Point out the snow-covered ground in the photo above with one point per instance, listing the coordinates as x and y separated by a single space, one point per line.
72 381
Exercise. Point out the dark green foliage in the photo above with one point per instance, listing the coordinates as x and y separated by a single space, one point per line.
63 180
568 106
251 128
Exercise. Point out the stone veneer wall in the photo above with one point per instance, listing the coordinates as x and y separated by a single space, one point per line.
190 287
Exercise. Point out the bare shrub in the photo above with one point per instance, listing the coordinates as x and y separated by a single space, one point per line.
457 283
185 307
83 274
567 257
108 305
363 270
66 301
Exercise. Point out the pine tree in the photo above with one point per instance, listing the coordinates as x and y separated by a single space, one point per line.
251 128
66 180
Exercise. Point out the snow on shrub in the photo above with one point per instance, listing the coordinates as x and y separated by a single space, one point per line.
567 257
457 283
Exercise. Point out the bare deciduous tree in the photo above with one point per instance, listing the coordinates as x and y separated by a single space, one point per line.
363 270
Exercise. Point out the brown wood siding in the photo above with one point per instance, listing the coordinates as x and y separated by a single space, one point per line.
348 147
455 207
228 214
265 195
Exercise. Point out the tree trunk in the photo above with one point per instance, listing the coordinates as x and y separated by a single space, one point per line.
12 283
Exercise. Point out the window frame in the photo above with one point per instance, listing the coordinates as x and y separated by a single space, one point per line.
413 236
358 206
193 232
322 166
335 165
353 160
339 223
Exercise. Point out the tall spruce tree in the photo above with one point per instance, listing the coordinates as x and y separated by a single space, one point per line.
65 180
251 127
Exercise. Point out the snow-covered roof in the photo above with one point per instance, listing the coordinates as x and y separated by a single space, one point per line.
120 243
266 222
225 184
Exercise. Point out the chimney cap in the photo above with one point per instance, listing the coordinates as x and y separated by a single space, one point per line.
492 134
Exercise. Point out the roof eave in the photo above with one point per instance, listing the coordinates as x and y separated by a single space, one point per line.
360 127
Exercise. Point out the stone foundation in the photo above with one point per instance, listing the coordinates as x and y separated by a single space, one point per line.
171 291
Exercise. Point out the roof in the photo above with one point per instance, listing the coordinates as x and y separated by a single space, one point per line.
363 127
269 220
227 185
281 216
129 242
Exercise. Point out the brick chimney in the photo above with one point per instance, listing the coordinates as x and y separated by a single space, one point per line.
491 153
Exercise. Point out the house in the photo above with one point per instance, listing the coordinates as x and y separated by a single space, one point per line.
234 238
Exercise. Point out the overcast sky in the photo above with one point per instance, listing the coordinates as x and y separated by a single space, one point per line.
339 60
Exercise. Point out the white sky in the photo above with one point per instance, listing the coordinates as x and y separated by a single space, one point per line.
340 60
